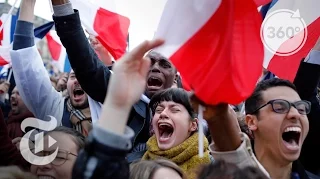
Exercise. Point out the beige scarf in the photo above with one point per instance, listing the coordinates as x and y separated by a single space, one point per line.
80 119
185 155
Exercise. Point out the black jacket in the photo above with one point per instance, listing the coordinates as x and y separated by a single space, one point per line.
94 76
306 81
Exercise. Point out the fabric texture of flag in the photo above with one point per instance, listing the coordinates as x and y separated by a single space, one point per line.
58 52
310 13
109 27
215 45
6 36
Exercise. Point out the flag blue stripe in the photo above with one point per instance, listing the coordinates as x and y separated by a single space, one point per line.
14 19
264 9
41 31
67 66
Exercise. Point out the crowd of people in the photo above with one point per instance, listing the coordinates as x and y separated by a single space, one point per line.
133 119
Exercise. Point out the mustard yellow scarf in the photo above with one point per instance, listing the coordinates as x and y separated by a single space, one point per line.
185 155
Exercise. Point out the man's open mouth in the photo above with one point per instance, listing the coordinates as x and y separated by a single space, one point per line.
165 131
78 93
154 83
291 137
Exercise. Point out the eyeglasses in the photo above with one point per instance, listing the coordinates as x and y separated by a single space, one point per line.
61 158
282 106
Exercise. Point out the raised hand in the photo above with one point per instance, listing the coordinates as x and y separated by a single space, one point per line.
27 10
126 85
128 81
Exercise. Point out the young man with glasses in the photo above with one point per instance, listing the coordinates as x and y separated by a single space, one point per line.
278 119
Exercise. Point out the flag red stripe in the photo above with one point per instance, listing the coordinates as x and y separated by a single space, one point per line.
3 62
262 2
54 48
291 63
112 30
225 45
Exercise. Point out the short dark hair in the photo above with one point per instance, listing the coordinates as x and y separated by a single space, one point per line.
255 100
77 137
176 95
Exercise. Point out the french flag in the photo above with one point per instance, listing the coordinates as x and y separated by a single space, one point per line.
58 52
215 45
286 67
109 27
6 36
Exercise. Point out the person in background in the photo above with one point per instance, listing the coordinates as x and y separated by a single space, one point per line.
101 51
157 169
34 84
62 82
18 113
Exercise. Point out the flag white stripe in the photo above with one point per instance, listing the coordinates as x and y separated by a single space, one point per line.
193 14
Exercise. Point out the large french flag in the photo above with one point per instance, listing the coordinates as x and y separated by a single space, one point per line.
6 36
110 28
286 67
58 52
215 45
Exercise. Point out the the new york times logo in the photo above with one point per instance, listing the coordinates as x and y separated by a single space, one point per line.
29 154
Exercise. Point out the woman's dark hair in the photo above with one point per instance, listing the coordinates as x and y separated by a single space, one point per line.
176 95
223 170
77 137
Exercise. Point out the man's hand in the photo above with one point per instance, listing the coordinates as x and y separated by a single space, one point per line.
27 10
222 123
211 112
128 80
103 53
126 85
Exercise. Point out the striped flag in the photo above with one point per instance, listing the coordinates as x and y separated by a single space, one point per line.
309 11
215 45
6 36
109 27
58 52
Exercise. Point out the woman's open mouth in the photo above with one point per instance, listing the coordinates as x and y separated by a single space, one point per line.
165 131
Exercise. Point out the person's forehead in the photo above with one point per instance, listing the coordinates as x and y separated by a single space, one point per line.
63 141
169 103
280 92
15 89
156 56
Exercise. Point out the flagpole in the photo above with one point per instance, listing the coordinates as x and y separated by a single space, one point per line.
9 13
51 8
9 76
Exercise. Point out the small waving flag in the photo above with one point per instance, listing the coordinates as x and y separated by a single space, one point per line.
58 52
109 27
6 36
